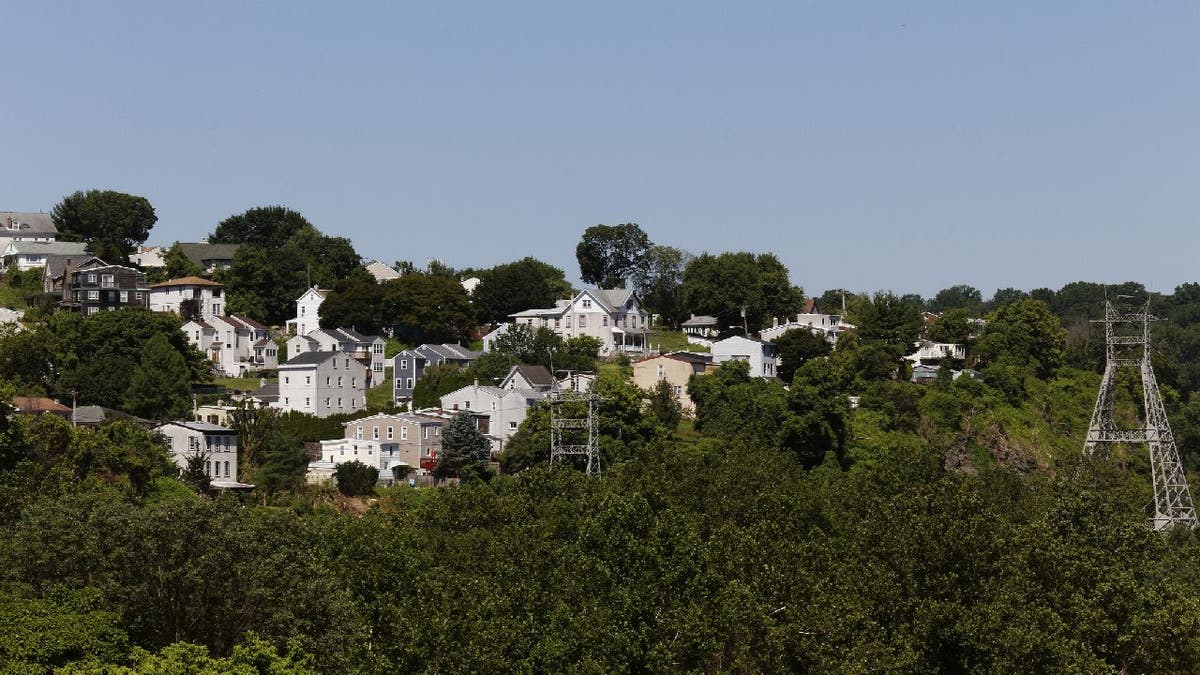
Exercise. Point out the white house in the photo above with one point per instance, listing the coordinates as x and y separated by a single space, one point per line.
322 384
216 445
500 411
760 355
234 344
206 298
828 326
347 340
614 316
308 312
26 255
149 256
932 353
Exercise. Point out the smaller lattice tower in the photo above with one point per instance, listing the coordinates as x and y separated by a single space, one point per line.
573 422
1127 345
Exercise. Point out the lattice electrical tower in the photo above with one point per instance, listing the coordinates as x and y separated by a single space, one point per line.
1127 345
571 434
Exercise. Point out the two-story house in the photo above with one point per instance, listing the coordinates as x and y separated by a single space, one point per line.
363 347
500 411
21 226
676 368
409 365
16 254
828 326
308 312
615 317
322 384
189 297
234 344
410 443
760 355
54 273
933 353
216 445
105 287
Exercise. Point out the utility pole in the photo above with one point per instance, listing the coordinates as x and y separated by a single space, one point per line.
1127 345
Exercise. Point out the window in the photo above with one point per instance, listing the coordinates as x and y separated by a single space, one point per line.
378 348
339 401
556 322
404 433
285 400
93 310
124 296
662 372
389 433
354 382
106 280
583 320
403 364
339 381
93 295
285 379
137 295
327 399
227 469
377 367
375 433
358 433
466 405
308 379
208 468
493 405
437 431
512 426
409 384
568 322
307 401
604 320
326 380
426 433
587 304
91 278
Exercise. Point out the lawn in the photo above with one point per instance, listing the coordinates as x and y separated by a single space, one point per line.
380 396
241 383
673 341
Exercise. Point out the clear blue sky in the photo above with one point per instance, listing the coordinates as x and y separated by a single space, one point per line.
872 145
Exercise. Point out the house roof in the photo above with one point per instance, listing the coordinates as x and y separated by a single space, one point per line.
809 307
56 263
613 297
77 248
199 253
538 376
98 414
206 427
268 393
702 321
690 357
187 281
37 404
380 271
309 359
29 223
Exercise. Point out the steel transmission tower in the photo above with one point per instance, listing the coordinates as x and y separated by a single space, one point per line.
1127 345
571 434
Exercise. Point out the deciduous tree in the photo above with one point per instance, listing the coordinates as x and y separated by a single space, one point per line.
609 255
112 223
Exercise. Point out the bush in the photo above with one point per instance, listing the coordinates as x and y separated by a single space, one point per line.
355 479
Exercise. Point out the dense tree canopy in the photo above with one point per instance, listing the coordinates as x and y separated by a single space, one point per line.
516 286
269 227
610 255
658 281
112 223
724 285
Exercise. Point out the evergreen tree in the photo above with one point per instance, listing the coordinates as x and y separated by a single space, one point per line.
355 479
464 450
664 405
159 386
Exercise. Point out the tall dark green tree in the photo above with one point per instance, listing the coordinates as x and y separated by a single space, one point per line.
465 450
797 346
658 280
725 285
1024 332
159 387
961 296
610 255
269 227
112 223
663 405
512 287
426 308
355 479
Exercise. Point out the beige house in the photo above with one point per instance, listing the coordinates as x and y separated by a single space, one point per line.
615 317
676 368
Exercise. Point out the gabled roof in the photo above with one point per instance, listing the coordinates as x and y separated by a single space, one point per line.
690 357
38 404
205 427
310 359
187 281
56 263
701 321
614 298
97 414
268 393
200 253
28 223
76 248
538 376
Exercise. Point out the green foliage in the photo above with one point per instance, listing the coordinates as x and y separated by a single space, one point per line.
952 327
355 479
658 279
112 223
267 227
722 285
194 474
795 347
426 308
178 265
544 347
889 320
1023 332
609 255
158 387
516 286
355 303
664 405
437 381
66 626
465 450
961 296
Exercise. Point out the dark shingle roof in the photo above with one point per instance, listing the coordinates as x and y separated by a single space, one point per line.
310 358
200 252
29 223
538 376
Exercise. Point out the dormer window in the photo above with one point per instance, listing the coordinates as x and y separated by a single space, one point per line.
587 304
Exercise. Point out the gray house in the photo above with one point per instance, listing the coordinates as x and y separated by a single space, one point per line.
409 365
